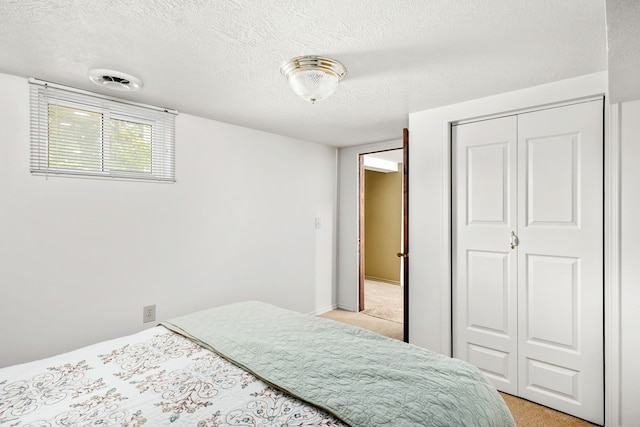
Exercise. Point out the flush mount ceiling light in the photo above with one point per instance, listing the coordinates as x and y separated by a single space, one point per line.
115 80
313 77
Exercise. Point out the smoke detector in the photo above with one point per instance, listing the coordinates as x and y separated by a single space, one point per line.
115 80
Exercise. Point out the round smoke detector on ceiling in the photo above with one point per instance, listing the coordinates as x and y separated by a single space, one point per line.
115 80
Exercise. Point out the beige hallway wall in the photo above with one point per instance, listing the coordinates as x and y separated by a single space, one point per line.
383 225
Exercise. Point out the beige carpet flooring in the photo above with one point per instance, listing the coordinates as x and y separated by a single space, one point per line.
525 413
383 300
529 414
381 326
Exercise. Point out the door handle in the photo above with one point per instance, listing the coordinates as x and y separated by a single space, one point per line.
401 254
514 240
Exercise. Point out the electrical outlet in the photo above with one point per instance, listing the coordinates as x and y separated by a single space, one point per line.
148 313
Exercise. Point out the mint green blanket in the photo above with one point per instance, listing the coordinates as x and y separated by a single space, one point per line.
361 377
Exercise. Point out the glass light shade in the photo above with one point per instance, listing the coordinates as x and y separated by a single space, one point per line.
313 85
313 77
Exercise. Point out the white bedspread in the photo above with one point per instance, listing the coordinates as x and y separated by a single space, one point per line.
155 378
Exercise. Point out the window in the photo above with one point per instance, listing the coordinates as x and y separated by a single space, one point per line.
78 133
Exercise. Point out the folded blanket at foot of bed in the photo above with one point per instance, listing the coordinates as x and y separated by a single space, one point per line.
361 377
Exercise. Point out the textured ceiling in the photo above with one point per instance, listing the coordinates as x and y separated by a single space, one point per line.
220 59
623 33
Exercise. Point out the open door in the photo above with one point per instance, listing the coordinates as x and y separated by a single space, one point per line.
396 156
405 229
361 305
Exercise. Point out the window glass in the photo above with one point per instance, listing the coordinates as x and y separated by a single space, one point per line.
75 139
130 146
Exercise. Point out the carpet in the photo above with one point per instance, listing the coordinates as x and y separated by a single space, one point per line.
383 300
529 414
382 326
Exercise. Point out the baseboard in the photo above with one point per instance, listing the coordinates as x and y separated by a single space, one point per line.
346 308
323 310
377 279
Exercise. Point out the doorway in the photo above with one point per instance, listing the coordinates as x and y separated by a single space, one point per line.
383 245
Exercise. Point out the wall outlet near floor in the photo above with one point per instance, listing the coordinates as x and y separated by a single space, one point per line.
148 313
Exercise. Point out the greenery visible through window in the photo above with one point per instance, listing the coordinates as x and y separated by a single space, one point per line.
130 145
75 139
77 133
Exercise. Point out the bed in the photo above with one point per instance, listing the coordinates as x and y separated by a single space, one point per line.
249 364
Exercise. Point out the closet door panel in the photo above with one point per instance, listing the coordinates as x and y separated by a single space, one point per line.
560 259
487 288
552 300
485 316
551 181
486 184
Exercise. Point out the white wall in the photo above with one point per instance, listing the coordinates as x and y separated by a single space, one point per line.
348 202
79 258
629 263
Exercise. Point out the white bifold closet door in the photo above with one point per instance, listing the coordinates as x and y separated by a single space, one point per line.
528 254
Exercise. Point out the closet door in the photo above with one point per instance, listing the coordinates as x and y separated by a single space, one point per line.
528 306
560 259
484 265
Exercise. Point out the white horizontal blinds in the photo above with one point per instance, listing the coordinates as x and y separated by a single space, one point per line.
79 133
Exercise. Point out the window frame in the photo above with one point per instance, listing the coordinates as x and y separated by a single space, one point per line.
161 121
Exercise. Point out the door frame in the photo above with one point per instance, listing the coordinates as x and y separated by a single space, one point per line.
405 229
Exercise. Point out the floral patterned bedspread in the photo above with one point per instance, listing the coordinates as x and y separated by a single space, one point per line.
152 378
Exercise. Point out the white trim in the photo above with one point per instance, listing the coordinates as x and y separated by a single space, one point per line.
323 310
578 100
446 297
612 268
347 308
